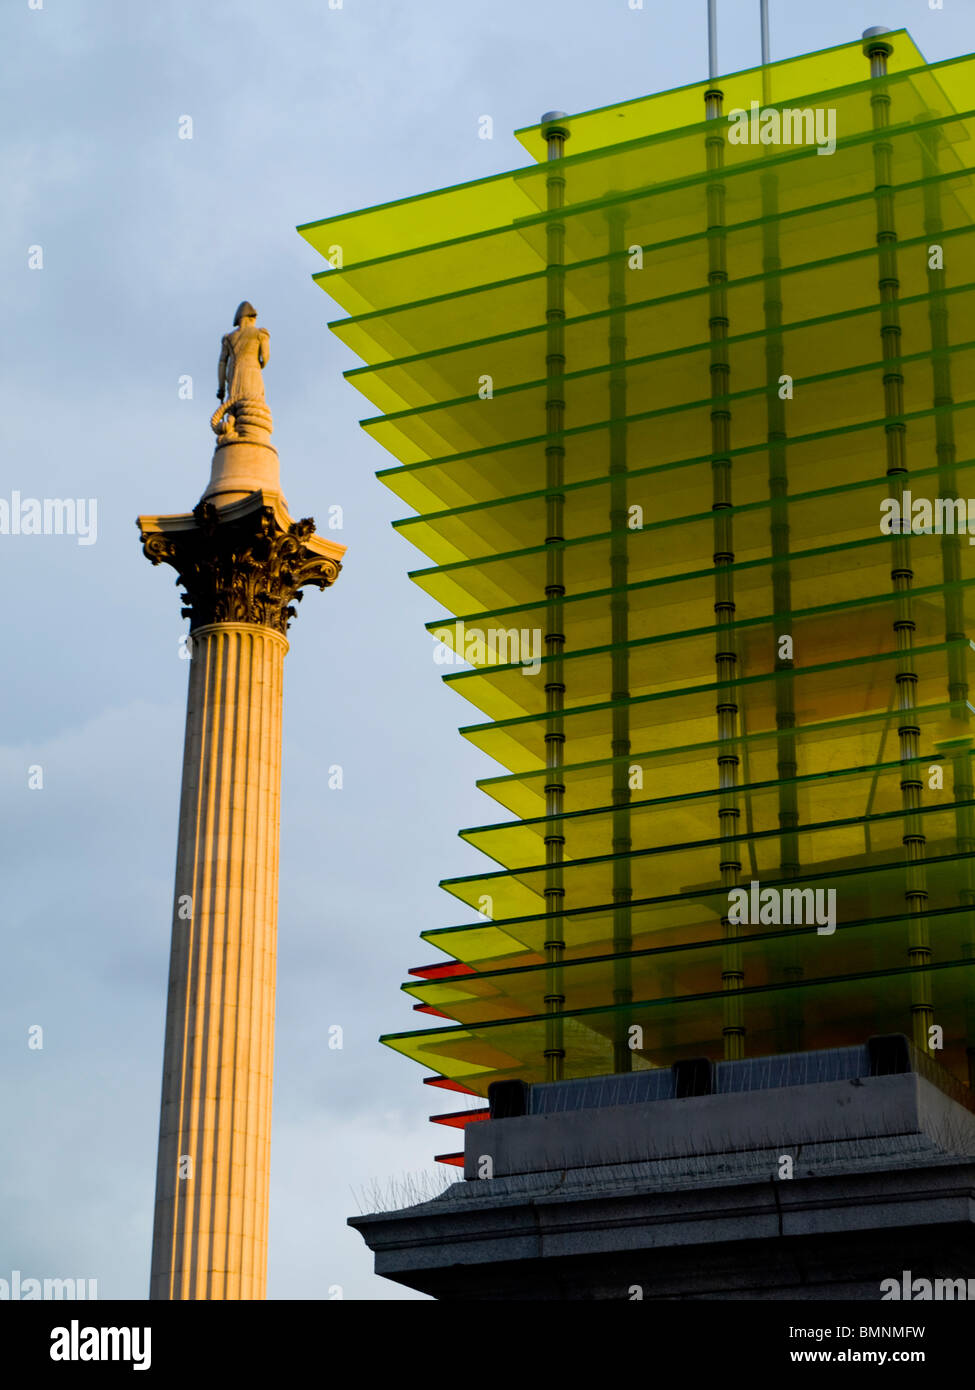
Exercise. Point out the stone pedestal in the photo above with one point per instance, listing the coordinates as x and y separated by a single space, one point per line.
693 1199
240 468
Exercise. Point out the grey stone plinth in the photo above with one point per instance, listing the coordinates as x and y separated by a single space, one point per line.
883 1181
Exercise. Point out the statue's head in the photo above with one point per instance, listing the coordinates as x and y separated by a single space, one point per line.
245 310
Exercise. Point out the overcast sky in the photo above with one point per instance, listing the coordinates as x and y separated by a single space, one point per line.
148 243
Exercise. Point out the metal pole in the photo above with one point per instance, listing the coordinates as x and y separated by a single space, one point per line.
766 82
726 656
712 39
555 134
878 48
620 636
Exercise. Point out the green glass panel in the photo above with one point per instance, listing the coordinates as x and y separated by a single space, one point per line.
833 1012
788 79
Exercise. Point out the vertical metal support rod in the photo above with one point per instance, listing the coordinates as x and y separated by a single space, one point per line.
877 48
726 657
712 39
556 135
620 657
787 768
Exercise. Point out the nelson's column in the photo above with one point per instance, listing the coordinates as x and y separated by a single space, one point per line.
241 561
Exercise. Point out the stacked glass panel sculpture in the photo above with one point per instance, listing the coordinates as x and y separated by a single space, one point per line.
684 414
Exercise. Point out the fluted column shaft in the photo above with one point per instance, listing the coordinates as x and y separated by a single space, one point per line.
210 1231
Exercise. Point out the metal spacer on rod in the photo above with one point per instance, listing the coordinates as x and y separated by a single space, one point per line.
552 127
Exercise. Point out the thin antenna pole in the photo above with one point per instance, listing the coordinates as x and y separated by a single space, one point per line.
712 39
763 7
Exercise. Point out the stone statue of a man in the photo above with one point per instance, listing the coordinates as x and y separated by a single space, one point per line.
242 356
242 413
